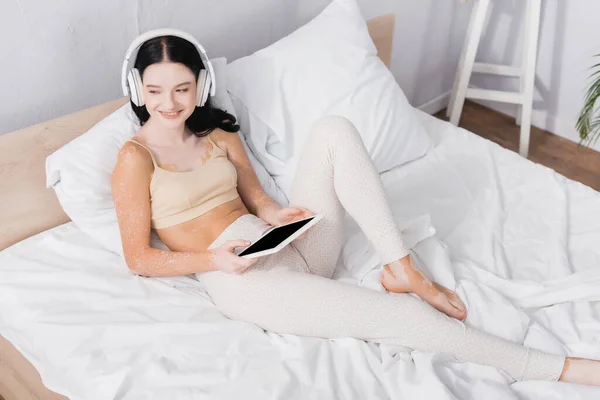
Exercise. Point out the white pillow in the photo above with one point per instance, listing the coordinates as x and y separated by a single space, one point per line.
328 66
80 171
223 101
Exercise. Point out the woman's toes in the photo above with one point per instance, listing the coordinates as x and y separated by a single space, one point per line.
396 279
462 315
457 302
441 303
458 313
456 308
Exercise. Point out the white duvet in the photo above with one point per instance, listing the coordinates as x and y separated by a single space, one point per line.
520 243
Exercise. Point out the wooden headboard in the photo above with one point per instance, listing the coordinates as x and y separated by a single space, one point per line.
26 206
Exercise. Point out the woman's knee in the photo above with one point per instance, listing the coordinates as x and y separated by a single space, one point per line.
334 128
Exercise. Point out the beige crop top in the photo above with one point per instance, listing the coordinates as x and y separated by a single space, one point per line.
177 197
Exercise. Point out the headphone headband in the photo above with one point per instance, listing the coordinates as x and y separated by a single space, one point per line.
131 54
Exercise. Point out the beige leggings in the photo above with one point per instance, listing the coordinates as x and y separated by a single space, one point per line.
292 291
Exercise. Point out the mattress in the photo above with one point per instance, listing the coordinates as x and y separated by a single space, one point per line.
519 243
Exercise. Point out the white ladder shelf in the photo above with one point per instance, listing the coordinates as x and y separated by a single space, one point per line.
526 72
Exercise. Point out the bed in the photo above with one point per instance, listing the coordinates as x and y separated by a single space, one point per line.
517 240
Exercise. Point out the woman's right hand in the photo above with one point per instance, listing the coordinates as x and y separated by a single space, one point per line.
226 260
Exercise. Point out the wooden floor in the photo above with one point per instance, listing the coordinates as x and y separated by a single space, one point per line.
565 157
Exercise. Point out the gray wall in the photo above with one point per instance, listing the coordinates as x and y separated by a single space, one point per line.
61 56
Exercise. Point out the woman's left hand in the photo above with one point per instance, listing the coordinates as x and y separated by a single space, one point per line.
291 214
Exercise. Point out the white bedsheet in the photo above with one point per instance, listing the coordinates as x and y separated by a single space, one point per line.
519 242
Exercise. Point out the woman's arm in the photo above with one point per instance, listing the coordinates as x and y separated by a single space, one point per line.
131 194
249 187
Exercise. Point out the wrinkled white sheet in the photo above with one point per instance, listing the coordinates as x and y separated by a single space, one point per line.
519 242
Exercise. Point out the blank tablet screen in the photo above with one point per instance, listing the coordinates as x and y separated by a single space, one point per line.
274 237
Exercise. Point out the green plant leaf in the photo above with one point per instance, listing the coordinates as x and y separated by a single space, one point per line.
588 122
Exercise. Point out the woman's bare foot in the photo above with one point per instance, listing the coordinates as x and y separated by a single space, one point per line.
401 277
581 371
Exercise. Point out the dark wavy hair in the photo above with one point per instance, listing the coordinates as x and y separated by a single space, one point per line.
175 49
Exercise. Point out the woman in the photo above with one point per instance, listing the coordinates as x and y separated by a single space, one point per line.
187 176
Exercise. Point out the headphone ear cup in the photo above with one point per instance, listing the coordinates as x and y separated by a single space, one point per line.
206 92
203 88
135 87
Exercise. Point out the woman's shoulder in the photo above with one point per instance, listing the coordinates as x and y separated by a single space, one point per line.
222 138
133 155
134 148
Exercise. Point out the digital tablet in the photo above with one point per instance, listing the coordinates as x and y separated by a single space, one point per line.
278 237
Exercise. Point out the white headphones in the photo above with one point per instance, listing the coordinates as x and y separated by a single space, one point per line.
131 80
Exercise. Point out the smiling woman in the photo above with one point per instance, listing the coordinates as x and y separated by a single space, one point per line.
177 175
170 67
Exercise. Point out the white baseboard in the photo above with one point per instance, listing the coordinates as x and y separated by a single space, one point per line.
437 104
539 118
